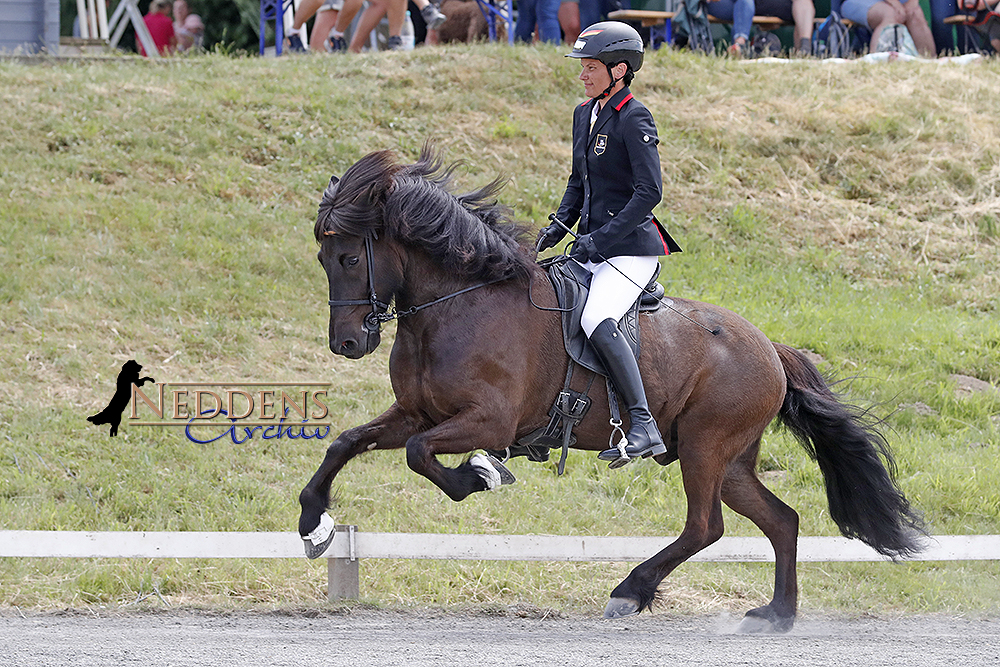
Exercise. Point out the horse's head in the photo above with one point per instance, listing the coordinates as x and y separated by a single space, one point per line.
360 268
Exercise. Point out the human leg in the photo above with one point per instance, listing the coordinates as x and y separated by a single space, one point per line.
524 29
326 19
916 23
569 20
615 286
803 15
369 19
548 21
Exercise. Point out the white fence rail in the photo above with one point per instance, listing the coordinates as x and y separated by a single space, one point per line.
350 546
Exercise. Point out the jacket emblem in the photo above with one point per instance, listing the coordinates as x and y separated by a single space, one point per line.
601 144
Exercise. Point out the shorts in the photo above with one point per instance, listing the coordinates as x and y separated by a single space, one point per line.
857 10
335 5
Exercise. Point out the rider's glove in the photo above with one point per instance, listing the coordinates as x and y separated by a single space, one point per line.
585 250
549 236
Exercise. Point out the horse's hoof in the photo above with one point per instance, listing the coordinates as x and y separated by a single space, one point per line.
752 625
620 608
764 621
317 542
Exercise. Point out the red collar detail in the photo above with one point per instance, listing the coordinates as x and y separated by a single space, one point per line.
618 107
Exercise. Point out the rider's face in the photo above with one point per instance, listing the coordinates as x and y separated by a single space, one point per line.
595 77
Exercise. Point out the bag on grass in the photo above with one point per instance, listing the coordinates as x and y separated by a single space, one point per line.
832 39
896 38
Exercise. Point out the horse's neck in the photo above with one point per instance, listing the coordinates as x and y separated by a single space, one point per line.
424 280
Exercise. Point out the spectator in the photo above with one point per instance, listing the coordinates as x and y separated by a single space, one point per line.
740 13
188 27
876 14
800 12
161 28
569 20
326 12
544 14
990 25
393 10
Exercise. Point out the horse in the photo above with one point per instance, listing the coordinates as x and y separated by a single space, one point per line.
479 357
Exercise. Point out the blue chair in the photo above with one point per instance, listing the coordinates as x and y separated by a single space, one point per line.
274 10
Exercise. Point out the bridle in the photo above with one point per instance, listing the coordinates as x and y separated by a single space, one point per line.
379 315
381 312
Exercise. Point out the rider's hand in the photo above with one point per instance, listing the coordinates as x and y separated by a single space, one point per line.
585 250
549 236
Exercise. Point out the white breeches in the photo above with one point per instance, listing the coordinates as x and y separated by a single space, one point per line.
615 286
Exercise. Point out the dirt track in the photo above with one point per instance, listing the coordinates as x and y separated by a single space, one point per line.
369 638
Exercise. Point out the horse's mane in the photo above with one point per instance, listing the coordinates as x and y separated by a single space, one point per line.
470 234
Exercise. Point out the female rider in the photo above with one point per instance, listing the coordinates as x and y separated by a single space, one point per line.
613 186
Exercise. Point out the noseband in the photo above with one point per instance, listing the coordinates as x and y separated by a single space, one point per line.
380 310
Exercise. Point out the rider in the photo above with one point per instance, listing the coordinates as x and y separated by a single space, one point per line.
613 186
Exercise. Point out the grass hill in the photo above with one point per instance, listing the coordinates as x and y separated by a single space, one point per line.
163 212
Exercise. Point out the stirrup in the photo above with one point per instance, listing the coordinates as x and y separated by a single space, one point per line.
618 453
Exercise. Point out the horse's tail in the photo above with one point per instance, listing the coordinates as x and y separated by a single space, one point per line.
865 502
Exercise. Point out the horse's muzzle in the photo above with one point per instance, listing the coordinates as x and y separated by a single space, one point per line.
355 348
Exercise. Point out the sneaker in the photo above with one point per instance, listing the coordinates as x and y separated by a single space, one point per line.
432 17
394 43
336 44
295 43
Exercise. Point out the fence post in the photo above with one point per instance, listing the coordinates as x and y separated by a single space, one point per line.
342 580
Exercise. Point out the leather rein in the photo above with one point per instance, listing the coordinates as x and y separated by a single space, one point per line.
381 312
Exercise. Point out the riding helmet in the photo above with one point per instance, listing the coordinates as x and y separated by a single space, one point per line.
611 42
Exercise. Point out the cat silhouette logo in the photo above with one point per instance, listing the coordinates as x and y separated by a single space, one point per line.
112 414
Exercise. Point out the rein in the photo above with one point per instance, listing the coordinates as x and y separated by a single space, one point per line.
381 312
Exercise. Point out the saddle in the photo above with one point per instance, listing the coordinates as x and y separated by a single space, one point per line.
572 285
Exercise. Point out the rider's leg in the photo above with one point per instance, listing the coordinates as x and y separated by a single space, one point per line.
615 286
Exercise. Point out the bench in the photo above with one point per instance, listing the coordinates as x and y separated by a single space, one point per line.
661 30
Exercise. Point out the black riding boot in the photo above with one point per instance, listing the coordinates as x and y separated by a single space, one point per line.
643 436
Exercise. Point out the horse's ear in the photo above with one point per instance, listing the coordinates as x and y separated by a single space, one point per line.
333 181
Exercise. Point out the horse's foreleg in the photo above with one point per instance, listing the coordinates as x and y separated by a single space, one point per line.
475 428
745 494
704 525
387 431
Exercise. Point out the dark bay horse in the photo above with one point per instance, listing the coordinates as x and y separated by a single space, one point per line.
476 365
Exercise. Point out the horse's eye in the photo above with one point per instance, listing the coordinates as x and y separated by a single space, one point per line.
350 260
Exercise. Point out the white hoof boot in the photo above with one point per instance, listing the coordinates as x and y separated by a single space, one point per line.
493 472
318 541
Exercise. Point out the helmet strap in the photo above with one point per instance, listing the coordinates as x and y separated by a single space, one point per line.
614 82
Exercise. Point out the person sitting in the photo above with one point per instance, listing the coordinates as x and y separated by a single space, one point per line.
393 10
161 28
326 12
800 12
876 14
987 20
740 14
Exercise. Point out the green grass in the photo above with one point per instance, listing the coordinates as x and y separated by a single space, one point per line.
164 213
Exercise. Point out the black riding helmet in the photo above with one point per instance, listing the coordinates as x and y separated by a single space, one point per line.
611 42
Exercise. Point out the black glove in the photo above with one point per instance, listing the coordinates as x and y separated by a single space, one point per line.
585 250
549 236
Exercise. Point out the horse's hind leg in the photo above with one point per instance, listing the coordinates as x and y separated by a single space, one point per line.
702 475
745 494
